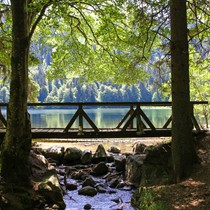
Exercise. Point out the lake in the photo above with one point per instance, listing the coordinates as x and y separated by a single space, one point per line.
102 117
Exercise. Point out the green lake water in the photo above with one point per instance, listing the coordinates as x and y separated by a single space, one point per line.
102 117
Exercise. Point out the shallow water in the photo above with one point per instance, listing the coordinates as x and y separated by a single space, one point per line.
101 201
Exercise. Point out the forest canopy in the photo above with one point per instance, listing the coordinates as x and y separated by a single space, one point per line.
118 42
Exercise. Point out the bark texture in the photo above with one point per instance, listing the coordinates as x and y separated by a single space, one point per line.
16 146
182 146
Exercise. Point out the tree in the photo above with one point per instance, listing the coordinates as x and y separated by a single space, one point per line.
15 167
182 144
16 147
123 32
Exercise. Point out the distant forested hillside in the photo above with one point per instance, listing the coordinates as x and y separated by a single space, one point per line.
74 90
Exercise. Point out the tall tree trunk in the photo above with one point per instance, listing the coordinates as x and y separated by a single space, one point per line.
182 146
16 147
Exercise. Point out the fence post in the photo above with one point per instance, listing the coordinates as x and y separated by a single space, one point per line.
80 132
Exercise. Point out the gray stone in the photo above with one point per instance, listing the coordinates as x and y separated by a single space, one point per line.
79 175
86 157
101 189
114 149
100 154
133 169
50 189
72 155
120 162
139 148
157 168
114 183
90 191
71 186
39 165
87 206
55 153
89 182
100 169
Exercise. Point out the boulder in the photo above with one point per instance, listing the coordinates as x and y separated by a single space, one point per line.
39 165
139 148
79 175
114 149
50 189
100 154
100 169
120 162
114 183
87 206
133 168
101 189
71 185
89 182
157 168
55 153
90 191
72 155
86 157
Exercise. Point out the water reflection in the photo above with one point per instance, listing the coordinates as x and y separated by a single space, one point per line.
102 117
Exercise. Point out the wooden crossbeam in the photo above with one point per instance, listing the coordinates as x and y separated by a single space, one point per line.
72 121
2 119
80 113
138 113
144 116
168 122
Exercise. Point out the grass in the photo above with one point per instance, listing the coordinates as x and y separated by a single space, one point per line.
147 199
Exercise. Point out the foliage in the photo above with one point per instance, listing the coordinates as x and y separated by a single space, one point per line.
118 41
93 40
147 199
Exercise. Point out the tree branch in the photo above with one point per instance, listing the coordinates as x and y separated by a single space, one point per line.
39 18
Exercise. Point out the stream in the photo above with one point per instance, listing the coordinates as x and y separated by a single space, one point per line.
111 197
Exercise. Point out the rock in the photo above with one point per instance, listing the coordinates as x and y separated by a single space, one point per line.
101 189
79 175
86 157
100 154
89 182
39 165
55 206
139 148
100 169
114 183
120 162
157 168
55 152
116 200
72 155
50 189
133 168
71 186
121 185
158 154
114 149
87 206
90 191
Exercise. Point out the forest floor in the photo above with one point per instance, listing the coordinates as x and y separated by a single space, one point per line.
194 192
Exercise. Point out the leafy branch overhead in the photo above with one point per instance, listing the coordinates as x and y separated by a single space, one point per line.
101 40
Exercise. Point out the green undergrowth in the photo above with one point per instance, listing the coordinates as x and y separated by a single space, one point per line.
147 199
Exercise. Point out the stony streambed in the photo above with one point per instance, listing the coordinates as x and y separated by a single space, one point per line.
96 181
100 192
103 179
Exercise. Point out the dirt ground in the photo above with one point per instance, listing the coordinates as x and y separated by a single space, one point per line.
193 193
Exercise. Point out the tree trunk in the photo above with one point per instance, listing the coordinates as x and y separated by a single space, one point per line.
17 144
183 153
